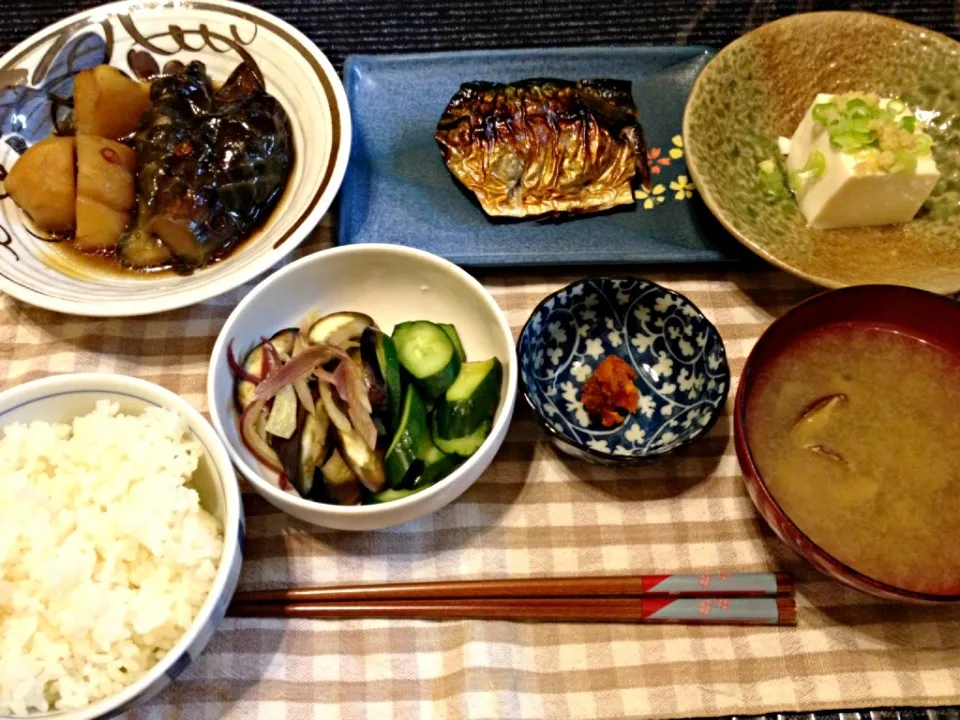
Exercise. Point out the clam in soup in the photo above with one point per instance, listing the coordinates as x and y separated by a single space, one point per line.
855 430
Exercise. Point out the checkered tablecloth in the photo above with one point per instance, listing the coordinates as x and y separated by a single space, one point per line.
533 513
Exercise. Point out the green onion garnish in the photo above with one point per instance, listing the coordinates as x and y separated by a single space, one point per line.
851 141
906 162
824 113
882 140
793 181
896 106
816 164
771 179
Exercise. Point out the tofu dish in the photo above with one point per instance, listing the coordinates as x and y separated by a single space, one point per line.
856 160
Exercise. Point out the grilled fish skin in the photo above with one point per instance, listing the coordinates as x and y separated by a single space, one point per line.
544 146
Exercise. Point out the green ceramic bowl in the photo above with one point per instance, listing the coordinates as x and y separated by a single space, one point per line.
758 88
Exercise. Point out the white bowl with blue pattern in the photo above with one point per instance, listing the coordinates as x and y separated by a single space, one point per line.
63 397
678 355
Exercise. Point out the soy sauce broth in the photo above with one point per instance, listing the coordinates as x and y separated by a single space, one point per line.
855 430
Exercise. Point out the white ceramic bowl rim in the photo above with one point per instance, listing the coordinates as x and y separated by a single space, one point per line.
336 168
112 383
254 474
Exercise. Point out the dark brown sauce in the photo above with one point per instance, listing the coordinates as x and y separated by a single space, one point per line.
66 258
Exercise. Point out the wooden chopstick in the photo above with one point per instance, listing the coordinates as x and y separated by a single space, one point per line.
698 611
724 585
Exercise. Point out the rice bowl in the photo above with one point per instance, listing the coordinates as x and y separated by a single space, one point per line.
114 571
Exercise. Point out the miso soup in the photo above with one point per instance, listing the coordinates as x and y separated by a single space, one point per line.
856 433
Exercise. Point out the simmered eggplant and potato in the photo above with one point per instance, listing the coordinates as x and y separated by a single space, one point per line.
168 173
344 413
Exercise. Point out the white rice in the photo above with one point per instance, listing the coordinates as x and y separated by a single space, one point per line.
105 555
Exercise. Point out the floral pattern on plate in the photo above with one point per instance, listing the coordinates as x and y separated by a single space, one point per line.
679 358
681 187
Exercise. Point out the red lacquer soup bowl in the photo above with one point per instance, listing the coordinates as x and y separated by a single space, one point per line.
915 313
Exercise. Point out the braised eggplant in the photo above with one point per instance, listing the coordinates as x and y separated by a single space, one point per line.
544 146
212 166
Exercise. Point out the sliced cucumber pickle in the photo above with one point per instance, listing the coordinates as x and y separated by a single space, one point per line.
471 400
407 439
436 464
427 353
454 336
463 446
390 496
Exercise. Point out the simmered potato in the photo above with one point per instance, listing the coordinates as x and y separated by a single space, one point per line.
43 183
98 227
108 103
106 172
106 191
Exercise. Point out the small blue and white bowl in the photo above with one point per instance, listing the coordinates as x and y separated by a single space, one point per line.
678 355
59 399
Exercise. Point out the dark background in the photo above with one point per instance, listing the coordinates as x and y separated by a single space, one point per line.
341 27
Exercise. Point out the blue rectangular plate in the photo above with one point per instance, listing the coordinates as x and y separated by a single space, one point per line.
398 190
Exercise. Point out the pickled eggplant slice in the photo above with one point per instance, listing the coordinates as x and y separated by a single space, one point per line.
314 444
282 421
380 355
211 166
376 393
333 408
284 341
340 482
256 364
288 450
243 389
339 328
545 146
366 464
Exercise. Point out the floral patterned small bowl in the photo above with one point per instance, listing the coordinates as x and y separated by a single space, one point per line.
679 358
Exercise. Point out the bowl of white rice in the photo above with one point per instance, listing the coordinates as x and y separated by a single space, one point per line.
120 543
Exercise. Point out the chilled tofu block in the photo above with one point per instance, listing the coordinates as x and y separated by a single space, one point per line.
848 196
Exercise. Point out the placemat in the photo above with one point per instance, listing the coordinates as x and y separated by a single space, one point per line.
534 513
